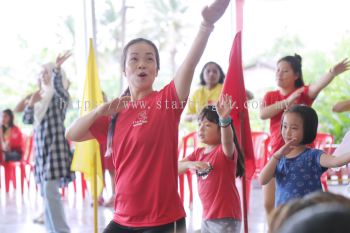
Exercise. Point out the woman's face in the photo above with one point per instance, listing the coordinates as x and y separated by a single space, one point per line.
5 119
140 66
285 76
211 75
45 77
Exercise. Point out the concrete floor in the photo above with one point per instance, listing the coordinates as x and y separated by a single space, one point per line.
17 211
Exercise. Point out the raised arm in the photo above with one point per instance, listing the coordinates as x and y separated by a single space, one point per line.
184 75
22 103
80 129
57 79
342 106
224 108
321 83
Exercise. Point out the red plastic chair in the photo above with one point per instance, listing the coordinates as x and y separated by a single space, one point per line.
324 141
10 167
184 149
261 142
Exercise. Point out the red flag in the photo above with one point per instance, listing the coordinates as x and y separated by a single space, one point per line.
234 86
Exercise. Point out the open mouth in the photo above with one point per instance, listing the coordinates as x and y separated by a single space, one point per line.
142 75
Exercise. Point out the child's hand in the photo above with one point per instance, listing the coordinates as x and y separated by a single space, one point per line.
113 106
212 13
224 106
341 67
198 165
285 149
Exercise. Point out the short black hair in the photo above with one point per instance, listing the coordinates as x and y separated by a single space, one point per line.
310 121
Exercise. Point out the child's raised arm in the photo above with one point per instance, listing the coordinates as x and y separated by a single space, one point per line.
184 75
321 83
223 108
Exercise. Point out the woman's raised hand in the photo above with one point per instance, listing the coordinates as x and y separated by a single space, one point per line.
341 67
62 58
214 11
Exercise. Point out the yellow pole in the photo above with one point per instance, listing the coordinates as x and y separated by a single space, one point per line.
94 179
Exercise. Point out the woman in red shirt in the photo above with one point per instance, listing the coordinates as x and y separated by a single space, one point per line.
10 138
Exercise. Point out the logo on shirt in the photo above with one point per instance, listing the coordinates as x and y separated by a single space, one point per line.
204 172
141 119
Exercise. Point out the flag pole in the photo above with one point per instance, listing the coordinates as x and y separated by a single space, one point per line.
244 180
94 176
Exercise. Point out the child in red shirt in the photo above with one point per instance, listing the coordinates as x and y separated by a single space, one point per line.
217 165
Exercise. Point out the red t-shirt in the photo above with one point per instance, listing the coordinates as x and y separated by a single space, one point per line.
145 159
272 97
14 140
218 191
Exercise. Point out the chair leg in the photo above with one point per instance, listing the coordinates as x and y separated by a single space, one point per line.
189 181
324 182
181 187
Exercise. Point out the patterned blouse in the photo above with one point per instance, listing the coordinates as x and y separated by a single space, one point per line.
52 154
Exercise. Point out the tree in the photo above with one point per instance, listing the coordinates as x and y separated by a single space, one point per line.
166 24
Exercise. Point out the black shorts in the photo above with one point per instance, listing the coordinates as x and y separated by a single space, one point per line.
179 227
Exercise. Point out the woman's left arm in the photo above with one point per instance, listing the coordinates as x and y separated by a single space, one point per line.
321 83
57 80
184 75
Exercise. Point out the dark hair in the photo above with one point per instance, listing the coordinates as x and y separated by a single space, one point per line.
135 41
201 76
321 218
11 116
111 128
295 63
283 212
310 121
209 112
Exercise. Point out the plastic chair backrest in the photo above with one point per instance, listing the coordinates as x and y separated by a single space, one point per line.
185 143
323 141
260 145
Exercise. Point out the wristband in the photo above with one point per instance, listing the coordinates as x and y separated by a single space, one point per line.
224 122
206 28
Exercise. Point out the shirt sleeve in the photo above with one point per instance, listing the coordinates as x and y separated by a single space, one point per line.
192 156
99 129
170 99
191 104
267 100
58 85
306 99
318 160
28 116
